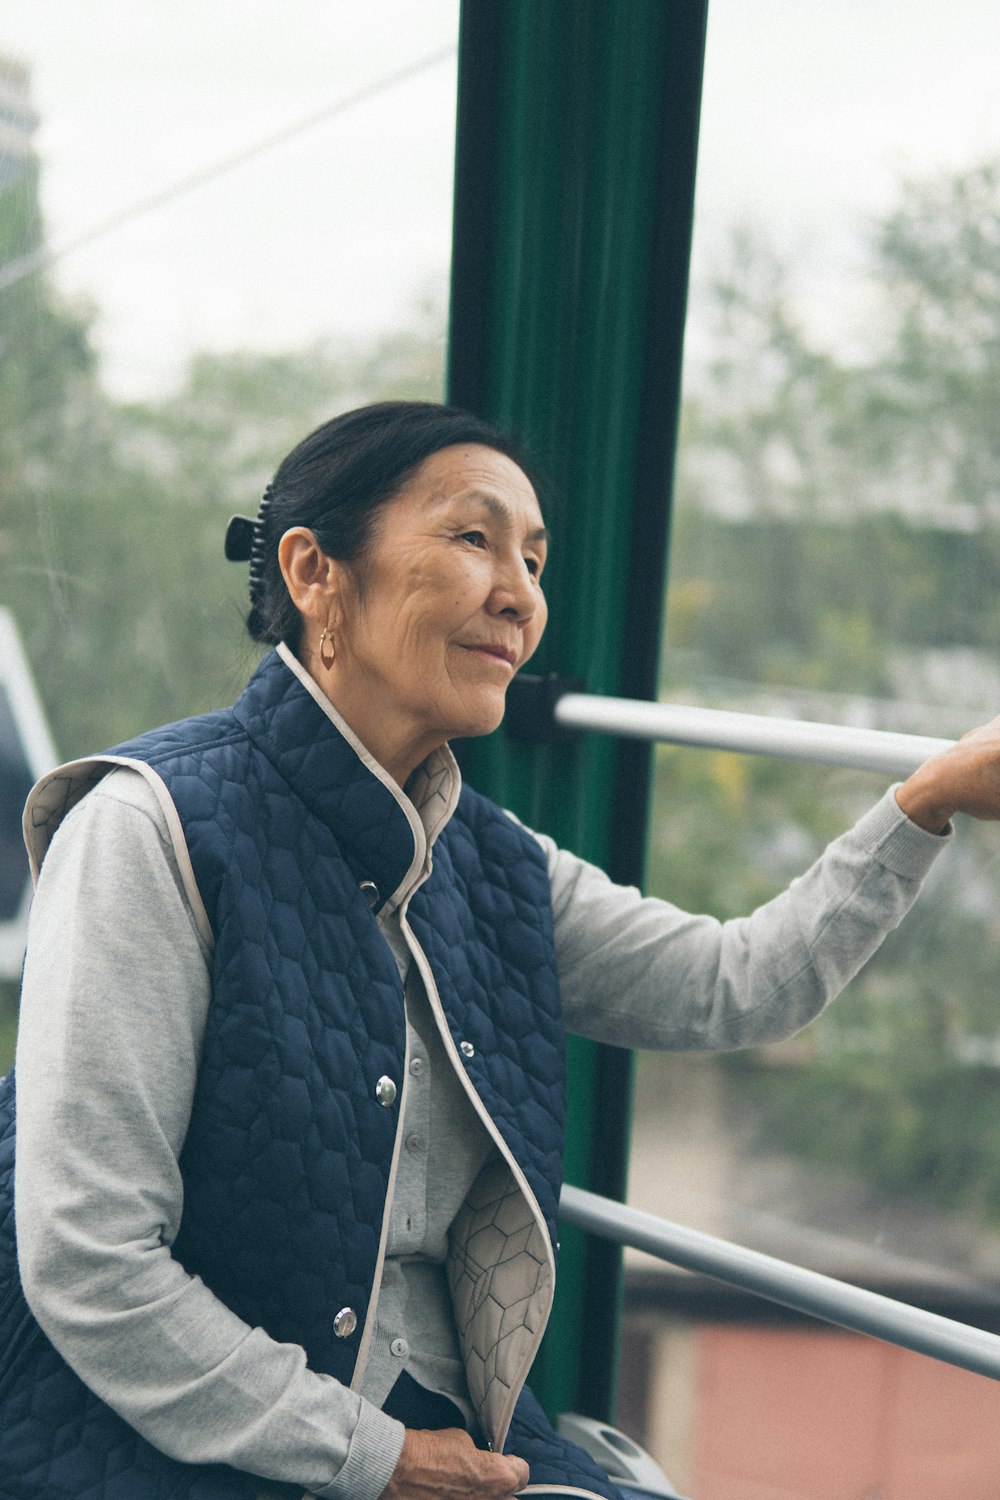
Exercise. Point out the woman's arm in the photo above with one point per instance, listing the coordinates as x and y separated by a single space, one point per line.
636 971
115 995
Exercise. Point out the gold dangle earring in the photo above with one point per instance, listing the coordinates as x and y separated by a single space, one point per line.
327 648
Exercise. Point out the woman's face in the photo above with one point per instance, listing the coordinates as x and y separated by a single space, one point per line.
446 607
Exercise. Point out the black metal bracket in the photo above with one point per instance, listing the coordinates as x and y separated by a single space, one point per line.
531 707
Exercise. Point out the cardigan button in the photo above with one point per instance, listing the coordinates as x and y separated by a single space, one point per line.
345 1322
467 1049
385 1091
369 890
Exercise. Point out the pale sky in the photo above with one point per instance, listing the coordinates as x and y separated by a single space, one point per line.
811 112
334 231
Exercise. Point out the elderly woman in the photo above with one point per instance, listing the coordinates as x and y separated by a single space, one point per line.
290 1058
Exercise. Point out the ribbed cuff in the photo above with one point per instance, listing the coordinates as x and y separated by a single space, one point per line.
372 1457
898 843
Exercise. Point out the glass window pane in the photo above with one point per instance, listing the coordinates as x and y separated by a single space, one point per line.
218 226
835 554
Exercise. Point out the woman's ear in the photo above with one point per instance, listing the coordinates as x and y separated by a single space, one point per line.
313 578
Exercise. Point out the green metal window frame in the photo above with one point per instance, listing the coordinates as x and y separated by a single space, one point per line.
574 189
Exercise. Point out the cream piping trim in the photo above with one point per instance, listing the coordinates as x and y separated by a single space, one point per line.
170 813
559 1489
181 851
437 1009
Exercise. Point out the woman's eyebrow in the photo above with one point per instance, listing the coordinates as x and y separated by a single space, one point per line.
504 516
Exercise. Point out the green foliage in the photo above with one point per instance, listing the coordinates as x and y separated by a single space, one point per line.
112 517
895 1086
888 1093
939 256
911 1123
824 605
129 612
730 831
44 352
837 525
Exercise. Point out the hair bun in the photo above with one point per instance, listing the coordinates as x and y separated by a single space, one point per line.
240 538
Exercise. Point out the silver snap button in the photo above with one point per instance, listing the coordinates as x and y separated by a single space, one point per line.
385 1091
400 1348
467 1049
369 890
345 1322
414 1142
416 1066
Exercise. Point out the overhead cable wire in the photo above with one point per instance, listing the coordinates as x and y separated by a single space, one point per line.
26 265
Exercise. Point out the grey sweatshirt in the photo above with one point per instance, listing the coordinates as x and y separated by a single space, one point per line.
116 992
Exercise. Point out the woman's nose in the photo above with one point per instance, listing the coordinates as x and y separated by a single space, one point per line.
516 591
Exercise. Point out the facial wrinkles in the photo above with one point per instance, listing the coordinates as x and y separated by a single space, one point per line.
502 528
415 582
407 670
507 522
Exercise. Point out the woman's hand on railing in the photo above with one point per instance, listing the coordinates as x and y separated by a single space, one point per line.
447 1465
965 778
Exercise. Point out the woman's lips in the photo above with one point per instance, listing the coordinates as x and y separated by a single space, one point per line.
492 653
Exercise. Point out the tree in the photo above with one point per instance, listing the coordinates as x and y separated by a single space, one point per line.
938 254
113 515
837 531
140 619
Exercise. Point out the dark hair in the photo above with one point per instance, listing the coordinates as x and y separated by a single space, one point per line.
335 482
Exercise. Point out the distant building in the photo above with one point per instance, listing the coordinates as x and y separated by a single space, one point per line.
18 120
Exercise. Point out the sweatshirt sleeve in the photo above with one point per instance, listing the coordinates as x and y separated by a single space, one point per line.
115 995
638 972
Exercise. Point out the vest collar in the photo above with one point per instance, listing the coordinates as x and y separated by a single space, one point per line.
386 834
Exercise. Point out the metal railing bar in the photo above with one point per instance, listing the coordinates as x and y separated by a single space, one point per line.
805 1291
891 754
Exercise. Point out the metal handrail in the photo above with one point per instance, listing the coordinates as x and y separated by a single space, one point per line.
890 754
807 1292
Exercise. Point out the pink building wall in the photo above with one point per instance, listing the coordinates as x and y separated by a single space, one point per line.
790 1414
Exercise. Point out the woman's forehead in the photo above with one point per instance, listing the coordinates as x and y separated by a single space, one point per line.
479 475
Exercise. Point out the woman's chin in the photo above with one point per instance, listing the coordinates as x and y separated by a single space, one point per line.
481 718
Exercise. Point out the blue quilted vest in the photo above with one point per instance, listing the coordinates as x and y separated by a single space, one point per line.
287 1160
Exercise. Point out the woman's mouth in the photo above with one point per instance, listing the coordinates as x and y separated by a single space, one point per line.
502 655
